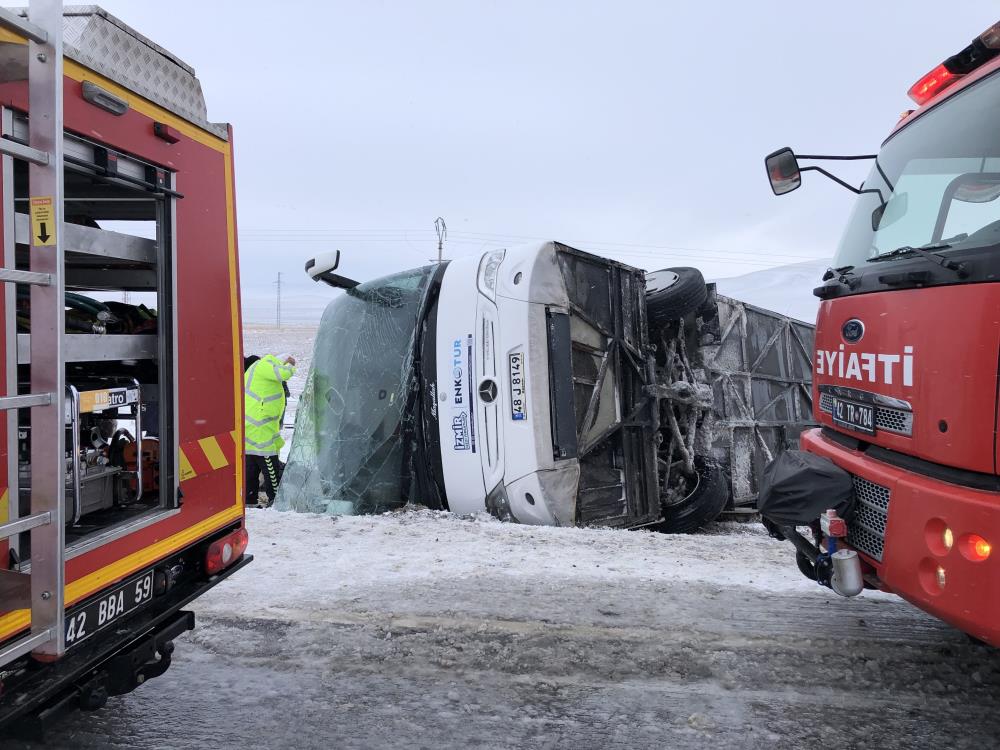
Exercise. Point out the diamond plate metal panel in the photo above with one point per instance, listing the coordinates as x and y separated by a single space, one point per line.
105 44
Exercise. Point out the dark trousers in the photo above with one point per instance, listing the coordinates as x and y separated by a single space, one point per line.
270 468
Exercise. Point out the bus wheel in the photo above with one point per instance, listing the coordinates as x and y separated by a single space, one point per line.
672 293
703 503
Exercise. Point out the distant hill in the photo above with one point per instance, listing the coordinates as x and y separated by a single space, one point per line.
784 289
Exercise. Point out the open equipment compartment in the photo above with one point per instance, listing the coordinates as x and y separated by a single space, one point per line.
118 349
120 369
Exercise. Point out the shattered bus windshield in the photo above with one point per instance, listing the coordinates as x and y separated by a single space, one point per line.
348 456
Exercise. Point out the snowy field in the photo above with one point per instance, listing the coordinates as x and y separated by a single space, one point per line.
785 289
420 629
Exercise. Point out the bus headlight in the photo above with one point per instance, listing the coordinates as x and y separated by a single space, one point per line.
498 504
489 268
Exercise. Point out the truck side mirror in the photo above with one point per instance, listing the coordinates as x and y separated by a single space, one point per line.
783 171
321 268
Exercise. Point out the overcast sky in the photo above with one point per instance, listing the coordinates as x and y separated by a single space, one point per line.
633 129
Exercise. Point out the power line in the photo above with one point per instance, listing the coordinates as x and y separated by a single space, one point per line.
278 283
665 255
471 238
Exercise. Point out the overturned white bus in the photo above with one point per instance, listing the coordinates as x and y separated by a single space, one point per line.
544 385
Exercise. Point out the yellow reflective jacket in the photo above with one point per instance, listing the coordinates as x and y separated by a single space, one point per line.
264 399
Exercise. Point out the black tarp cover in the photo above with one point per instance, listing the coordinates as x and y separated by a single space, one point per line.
798 487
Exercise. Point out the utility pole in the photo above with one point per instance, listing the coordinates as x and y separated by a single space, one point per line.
442 232
278 284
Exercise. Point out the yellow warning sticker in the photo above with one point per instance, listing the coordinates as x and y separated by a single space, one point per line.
43 221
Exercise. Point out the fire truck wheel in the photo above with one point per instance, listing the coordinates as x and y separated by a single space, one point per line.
672 293
703 504
806 566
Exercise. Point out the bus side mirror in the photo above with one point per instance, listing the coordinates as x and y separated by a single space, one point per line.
783 171
322 267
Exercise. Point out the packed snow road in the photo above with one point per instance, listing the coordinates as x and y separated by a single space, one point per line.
422 630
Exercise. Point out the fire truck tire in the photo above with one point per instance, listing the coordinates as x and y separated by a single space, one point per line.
806 566
703 505
672 293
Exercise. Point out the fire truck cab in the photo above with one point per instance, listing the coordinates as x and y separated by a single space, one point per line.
905 373
120 359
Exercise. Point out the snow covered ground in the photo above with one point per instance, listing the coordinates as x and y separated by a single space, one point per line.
785 289
420 629
423 630
423 545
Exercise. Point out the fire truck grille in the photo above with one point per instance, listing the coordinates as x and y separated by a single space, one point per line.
866 531
894 420
889 420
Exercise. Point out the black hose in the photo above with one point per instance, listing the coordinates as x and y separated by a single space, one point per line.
802 544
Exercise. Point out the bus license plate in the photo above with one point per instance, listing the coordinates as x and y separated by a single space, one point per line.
854 416
83 622
518 386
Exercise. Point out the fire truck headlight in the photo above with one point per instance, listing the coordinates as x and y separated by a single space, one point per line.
938 537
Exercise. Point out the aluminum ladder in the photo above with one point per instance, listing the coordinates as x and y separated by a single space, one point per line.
43 588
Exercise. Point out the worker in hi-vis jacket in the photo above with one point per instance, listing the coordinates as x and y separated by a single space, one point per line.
264 392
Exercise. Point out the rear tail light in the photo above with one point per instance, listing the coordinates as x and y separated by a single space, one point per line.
931 84
225 551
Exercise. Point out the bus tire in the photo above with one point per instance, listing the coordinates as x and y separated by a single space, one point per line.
702 505
672 293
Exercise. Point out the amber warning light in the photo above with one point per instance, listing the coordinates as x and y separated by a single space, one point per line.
975 548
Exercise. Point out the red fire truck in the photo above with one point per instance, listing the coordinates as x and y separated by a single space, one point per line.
905 383
120 359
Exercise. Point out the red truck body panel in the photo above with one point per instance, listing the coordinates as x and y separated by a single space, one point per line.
952 334
208 333
921 507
